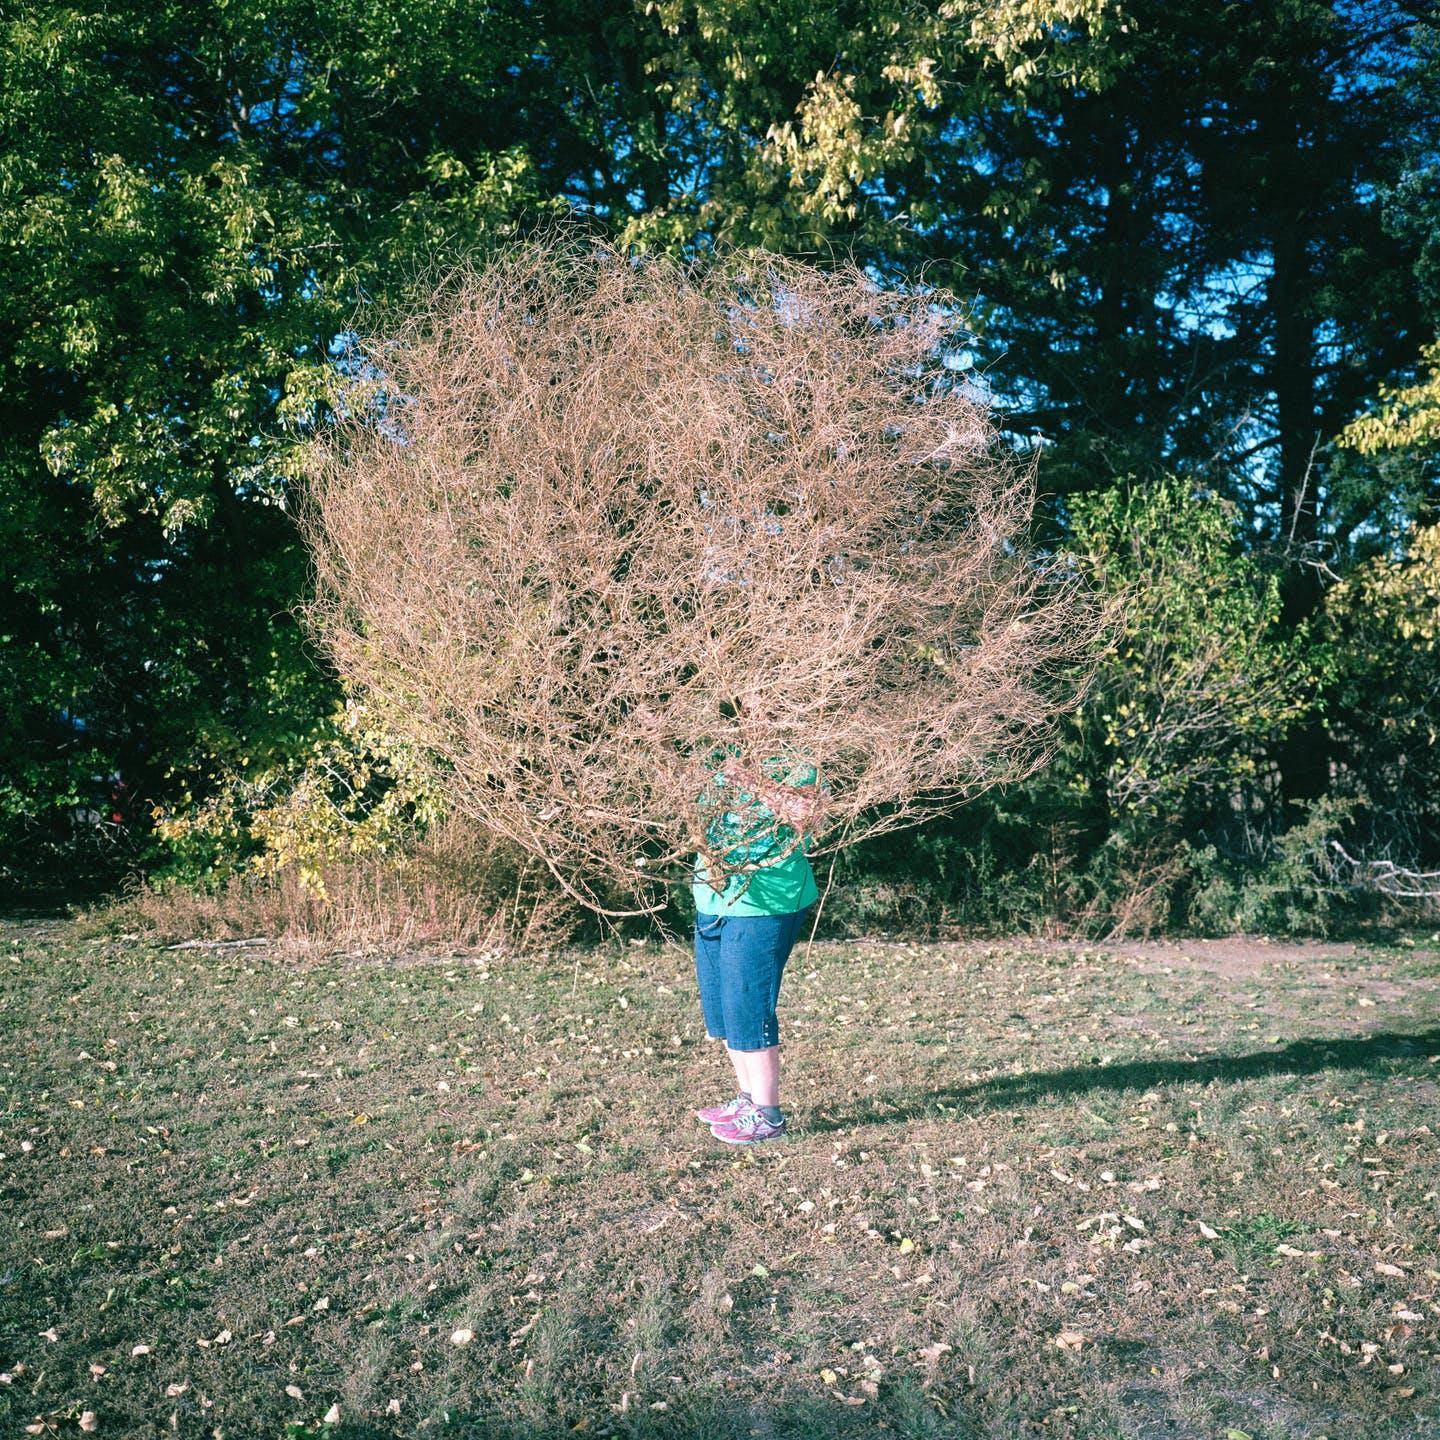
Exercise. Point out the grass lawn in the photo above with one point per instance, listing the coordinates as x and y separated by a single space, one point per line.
1186 1190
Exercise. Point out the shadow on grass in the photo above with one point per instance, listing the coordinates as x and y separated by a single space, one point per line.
1301 1057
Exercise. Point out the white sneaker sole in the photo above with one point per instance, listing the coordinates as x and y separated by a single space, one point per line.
751 1140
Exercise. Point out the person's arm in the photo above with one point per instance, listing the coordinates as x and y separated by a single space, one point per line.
786 800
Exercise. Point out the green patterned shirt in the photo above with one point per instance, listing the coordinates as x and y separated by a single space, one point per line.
775 888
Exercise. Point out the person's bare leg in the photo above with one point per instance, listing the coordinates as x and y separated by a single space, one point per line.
742 1074
760 1072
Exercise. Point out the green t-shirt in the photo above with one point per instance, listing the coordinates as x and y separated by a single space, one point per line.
777 888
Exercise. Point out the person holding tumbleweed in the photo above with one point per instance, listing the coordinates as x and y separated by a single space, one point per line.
577 497
746 927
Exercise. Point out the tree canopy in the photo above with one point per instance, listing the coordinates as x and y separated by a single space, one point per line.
1196 241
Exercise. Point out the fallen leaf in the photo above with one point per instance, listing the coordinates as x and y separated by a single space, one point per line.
462 1337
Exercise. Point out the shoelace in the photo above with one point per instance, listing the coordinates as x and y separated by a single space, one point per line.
749 1119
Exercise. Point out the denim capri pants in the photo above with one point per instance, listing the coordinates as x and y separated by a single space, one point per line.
739 961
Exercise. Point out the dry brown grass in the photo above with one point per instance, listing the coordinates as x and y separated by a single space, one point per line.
580 501
458 886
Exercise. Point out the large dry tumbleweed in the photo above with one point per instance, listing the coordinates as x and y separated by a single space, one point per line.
596 521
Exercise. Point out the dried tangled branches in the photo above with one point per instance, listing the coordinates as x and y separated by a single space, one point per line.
597 516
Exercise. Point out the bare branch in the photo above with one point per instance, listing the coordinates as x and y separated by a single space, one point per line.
583 501
1389 878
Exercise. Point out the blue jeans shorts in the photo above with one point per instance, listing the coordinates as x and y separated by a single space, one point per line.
739 962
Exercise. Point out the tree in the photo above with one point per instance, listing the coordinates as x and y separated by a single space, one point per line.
191 200
194 202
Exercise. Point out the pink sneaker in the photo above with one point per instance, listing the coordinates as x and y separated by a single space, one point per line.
719 1114
747 1127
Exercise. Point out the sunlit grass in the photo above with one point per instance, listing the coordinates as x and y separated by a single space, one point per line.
1028 1190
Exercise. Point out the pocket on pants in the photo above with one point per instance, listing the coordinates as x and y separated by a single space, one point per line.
708 926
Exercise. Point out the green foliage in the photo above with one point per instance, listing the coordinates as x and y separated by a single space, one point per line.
1292 890
1405 416
835 101
1158 811
1173 746
1200 677
351 790
1381 633
194 201
1169 752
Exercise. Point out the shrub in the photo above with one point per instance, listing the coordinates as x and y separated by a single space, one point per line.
1381 631
582 500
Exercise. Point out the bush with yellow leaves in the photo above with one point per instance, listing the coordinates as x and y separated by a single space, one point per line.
353 790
